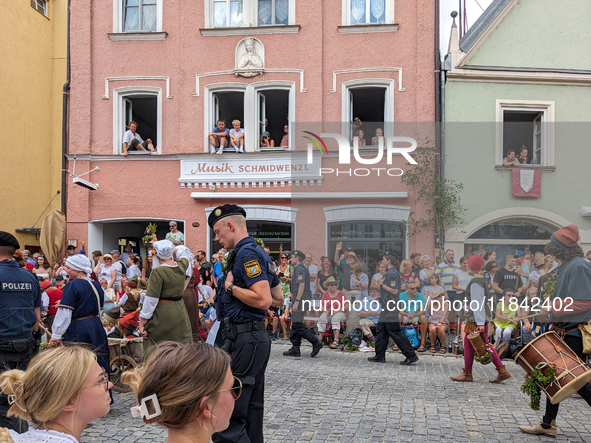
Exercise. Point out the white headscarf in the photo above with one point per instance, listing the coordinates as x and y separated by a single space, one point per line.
79 262
164 250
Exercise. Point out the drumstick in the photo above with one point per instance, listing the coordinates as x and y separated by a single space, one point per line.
45 330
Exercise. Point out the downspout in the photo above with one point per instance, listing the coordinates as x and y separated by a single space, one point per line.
439 101
65 119
442 144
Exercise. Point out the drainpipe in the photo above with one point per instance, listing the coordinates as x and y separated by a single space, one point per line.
442 144
65 119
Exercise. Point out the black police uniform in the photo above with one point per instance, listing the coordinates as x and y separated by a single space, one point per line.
300 276
246 340
388 323
20 294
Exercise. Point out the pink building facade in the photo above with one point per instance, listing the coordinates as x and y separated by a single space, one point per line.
177 67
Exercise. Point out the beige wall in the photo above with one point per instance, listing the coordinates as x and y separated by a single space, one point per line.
31 79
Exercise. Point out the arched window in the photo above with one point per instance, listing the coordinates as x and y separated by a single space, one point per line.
509 236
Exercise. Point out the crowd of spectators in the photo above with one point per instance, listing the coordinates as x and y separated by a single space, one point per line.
125 276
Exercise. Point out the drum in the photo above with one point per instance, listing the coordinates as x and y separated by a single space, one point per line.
570 371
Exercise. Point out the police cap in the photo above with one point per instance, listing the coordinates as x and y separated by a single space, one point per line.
299 254
7 239
224 211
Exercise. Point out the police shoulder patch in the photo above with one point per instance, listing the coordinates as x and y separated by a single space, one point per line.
300 277
252 268
393 283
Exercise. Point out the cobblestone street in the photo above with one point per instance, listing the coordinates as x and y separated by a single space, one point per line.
341 397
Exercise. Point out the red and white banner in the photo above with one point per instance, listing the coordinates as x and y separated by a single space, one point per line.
527 182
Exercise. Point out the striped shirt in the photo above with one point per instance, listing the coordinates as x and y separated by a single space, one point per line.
447 273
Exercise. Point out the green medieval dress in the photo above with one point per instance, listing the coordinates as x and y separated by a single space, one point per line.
170 321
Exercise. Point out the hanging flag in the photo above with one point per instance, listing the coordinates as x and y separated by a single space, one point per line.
527 182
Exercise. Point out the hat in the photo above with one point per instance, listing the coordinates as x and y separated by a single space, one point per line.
132 282
130 321
59 277
299 254
224 211
540 262
44 285
265 134
113 314
114 251
70 248
566 237
30 266
108 256
374 287
437 293
352 254
329 280
475 262
7 239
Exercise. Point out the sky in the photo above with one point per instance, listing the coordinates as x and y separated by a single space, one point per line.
473 10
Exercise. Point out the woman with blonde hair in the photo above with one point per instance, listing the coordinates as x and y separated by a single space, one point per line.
186 387
62 390
407 274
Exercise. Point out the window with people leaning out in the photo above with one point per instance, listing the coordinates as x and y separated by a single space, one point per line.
229 134
139 125
523 138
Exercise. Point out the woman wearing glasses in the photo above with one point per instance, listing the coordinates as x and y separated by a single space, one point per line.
62 391
186 387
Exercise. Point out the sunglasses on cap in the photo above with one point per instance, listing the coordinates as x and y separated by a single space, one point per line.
235 390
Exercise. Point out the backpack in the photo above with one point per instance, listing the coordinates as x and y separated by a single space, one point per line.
502 348
356 335
411 335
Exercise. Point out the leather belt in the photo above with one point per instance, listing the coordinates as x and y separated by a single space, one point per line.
171 299
250 326
82 318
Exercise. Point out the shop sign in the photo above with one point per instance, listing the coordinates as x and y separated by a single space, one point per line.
280 167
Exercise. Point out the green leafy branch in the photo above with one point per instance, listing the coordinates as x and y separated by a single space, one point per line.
439 199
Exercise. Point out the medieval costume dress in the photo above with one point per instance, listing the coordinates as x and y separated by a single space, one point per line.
163 308
78 315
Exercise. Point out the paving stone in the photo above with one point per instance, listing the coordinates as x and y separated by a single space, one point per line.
341 397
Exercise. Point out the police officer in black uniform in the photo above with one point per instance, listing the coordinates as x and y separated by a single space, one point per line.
20 313
300 291
247 289
388 323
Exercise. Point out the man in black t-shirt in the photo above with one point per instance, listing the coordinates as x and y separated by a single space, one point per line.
507 278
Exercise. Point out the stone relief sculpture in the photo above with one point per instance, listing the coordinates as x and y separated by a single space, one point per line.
249 57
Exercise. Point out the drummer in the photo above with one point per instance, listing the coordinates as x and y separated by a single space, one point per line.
573 282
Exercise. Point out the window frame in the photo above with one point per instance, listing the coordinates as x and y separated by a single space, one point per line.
35 4
119 96
119 18
251 110
346 13
273 17
250 16
547 108
388 85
